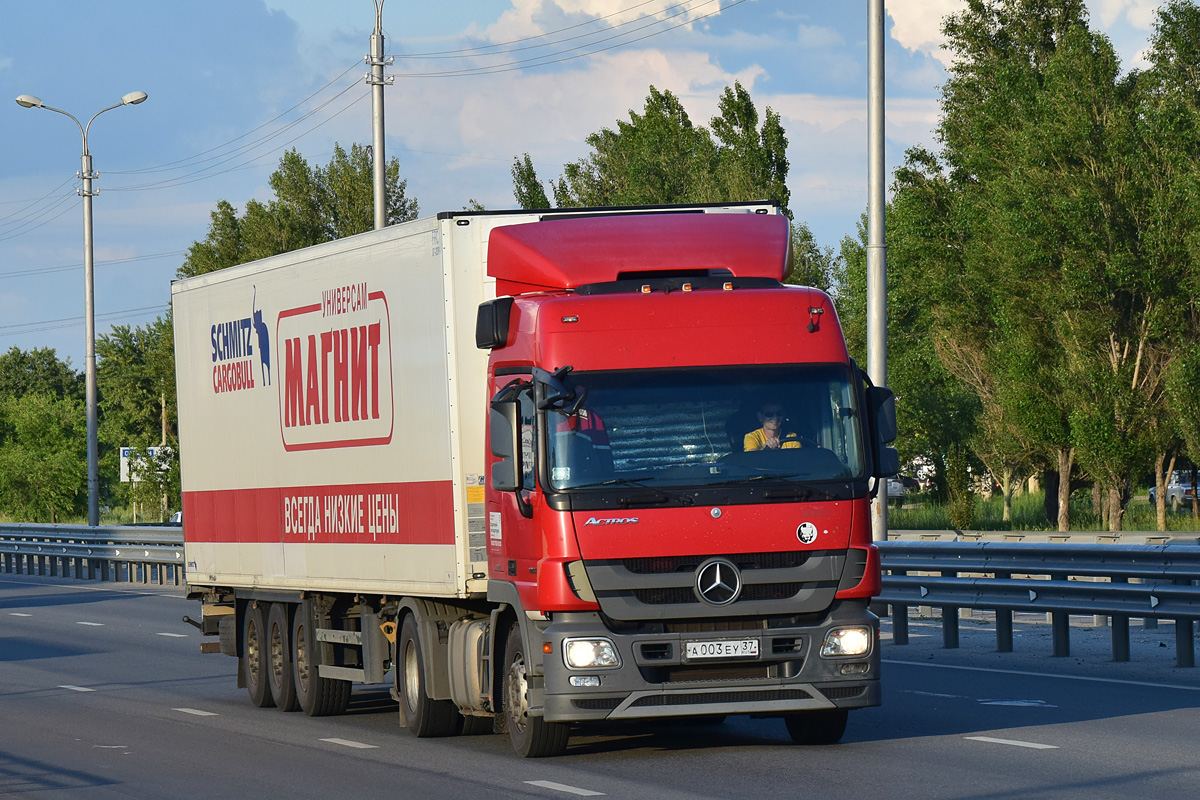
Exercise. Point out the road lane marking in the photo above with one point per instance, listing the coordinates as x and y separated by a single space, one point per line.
349 743
93 588
174 635
16 614
1023 673
91 624
195 712
1013 742
562 787
1018 703
76 688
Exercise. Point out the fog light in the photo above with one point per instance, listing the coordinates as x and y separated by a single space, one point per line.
585 680
854 641
590 653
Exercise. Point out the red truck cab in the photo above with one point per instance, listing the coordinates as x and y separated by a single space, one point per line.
654 560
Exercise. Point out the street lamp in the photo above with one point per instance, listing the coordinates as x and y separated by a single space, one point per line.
86 174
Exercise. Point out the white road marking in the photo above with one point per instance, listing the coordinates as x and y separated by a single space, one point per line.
934 694
1013 742
91 624
562 787
349 743
1018 703
1091 678
195 712
16 614
174 635
94 588
76 688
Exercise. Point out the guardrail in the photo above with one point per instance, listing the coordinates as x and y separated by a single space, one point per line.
1150 582
1121 581
133 553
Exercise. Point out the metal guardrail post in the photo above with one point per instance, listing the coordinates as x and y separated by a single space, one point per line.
1004 630
1185 642
899 624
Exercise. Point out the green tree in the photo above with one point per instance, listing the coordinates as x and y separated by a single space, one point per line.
660 156
38 371
43 459
136 377
311 205
1167 181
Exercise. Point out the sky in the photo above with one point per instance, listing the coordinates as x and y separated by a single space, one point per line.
233 84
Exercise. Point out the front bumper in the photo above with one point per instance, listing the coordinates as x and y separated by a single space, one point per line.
655 678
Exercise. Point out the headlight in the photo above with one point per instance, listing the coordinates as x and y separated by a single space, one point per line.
590 653
854 641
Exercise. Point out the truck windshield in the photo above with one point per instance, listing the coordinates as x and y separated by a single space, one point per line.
707 427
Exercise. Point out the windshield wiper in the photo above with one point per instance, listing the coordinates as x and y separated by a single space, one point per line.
659 496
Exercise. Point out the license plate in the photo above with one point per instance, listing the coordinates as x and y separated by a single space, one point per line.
741 648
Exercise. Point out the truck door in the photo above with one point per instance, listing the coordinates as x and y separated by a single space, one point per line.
514 545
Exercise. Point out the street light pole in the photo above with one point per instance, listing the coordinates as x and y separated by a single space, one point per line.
377 81
876 234
86 175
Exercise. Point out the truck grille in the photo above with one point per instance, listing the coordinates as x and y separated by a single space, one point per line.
664 588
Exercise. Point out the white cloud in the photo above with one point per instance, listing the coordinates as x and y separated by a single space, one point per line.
918 25
817 36
1137 13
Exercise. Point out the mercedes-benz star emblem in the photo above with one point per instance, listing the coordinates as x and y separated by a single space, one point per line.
718 582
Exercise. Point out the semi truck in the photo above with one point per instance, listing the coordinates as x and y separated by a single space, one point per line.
535 470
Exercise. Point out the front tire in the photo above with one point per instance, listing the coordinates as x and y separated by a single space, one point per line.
316 696
817 727
531 737
423 716
255 662
279 658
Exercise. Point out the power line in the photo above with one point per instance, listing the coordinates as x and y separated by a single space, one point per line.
24 273
545 60
69 322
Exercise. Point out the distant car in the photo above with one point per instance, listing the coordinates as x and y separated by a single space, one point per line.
176 518
895 491
1179 490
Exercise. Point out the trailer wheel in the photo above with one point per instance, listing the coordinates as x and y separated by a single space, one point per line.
531 737
423 716
255 664
279 658
817 727
316 696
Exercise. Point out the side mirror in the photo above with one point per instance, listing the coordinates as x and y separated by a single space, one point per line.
506 473
889 462
881 403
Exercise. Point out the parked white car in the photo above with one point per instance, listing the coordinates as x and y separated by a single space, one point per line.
1179 490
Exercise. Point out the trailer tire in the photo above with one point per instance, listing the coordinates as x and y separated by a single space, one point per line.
531 737
280 675
817 727
423 716
255 663
316 696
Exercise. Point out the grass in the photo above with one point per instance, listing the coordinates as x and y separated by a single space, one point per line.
920 513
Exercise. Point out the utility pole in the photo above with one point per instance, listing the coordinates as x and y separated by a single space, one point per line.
377 80
876 239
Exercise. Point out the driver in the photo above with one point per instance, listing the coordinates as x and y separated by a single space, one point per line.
770 436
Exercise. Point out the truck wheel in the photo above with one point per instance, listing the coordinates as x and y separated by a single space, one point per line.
531 737
255 664
423 716
316 696
817 727
279 658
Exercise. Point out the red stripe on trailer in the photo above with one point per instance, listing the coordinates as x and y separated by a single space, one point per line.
419 512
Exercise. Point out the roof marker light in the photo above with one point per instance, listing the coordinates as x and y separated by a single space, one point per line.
645 288
728 286
687 287
570 319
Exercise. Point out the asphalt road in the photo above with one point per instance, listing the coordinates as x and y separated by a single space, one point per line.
104 694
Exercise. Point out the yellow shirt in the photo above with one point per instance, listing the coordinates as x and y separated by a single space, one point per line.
757 440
